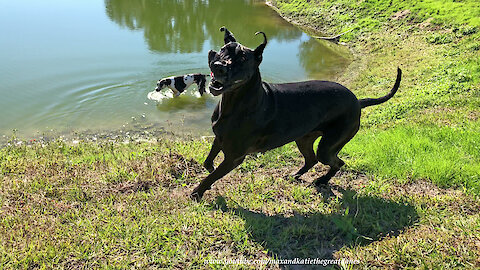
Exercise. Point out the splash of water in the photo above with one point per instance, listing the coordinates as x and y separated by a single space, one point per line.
158 96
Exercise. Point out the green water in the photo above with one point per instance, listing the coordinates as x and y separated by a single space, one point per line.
74 66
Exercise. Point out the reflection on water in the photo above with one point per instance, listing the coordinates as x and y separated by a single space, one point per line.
78 65
320 61
172 26
184 26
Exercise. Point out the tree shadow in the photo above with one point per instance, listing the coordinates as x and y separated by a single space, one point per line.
359 220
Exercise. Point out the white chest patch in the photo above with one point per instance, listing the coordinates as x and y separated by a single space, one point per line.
188 80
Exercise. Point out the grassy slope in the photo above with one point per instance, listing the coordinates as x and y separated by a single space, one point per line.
430 130
431 127
119 205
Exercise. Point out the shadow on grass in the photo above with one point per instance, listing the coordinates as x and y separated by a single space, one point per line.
359 220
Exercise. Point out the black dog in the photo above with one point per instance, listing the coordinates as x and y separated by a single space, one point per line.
178 84
255 116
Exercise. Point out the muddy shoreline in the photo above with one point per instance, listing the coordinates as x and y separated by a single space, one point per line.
136 133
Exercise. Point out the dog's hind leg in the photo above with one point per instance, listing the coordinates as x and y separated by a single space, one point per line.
208 163
225 167
305 145
329 146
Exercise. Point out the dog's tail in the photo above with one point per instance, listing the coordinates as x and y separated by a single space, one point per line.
375 101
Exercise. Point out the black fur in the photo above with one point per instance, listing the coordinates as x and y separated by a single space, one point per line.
200 80
255 116
180 84
228 35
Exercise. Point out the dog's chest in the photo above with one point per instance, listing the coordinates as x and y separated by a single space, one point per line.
239 130
222 125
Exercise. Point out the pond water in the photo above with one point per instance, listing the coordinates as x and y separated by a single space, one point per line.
74 66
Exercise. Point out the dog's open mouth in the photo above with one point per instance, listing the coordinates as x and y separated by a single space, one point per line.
215 87
219 86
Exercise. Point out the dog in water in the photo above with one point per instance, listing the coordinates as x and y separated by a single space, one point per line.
178 84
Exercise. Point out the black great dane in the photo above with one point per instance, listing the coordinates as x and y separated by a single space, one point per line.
255 116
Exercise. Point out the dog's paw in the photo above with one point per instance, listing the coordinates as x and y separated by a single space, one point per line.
196 196
321 181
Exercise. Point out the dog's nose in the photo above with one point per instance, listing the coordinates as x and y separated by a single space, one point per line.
219 68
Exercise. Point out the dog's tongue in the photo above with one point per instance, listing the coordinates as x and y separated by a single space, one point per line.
211 75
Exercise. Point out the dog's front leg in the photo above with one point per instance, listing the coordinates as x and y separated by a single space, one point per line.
208 164
225 167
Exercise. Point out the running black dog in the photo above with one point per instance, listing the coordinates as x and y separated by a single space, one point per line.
255 116
178 84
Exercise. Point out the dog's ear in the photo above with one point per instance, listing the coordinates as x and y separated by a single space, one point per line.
259 50
228 35
211 55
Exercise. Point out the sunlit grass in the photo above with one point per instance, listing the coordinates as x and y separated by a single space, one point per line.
449 157
407 197
104 205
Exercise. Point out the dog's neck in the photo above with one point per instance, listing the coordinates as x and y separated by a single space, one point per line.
247 98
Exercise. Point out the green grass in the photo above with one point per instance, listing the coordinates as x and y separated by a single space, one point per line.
407 197
369 16
113 205
446 156
427 130
428 133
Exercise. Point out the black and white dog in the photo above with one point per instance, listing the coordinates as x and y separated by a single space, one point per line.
178 84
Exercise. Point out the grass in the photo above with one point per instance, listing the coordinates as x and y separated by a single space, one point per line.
369 16
446 156
430 125
113 205
407 197
428 133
